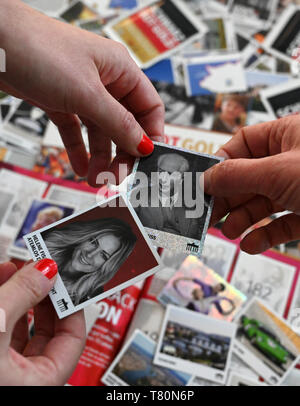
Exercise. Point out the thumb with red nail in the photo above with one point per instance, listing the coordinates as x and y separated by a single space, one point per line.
50 356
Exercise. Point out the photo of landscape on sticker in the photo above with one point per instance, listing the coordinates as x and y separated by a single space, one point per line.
134 366
196 344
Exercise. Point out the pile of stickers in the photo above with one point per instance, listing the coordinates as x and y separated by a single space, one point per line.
207 314
194 328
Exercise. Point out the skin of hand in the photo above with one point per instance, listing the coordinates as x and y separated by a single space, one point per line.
48 358
259 177
75 76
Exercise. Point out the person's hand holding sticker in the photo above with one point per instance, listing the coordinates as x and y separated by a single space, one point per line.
51 355
75 76
259 177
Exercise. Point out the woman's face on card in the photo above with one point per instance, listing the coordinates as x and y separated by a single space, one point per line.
94 252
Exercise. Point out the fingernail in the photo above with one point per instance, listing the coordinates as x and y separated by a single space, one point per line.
222 154
146 146
47 267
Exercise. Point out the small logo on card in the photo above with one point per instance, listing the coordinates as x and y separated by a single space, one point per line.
63 305
295 320
192 247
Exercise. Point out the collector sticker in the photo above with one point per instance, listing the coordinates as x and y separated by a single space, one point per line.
195 344
266 342
98 252
155 30
168 199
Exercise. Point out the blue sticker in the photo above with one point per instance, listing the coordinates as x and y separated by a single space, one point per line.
128 4
208 78
161 72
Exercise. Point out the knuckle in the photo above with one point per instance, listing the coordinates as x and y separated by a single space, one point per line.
122 49
128 122
223 171
30 286
92 90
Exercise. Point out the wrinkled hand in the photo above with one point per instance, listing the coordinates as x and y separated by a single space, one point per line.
75 75
260 177
51 355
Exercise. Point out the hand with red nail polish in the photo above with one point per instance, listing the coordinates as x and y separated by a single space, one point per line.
86 78
146 146
51 355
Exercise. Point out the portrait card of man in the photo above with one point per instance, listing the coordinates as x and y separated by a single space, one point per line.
167 196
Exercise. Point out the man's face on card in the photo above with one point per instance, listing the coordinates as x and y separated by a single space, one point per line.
170 174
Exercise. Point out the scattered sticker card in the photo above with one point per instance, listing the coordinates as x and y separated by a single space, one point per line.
134 366
293 377
78 11
41 213
195 344
6 202
214 74
154 31
195 139
218 254
253 12
220 36
82 200
198 288
294 312
240 380
284 38
148 318
266 342
264 278
283 99
27 121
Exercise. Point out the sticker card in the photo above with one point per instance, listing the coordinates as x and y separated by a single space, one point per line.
283 99
134 366
266 342
156 30
98 252
214 74
195 344
284 38
196 287
41 213
168 199
253 12
265 278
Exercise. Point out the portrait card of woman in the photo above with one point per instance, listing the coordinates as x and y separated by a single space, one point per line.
98 252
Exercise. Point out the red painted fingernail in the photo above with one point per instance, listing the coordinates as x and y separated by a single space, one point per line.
47 267
146 146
